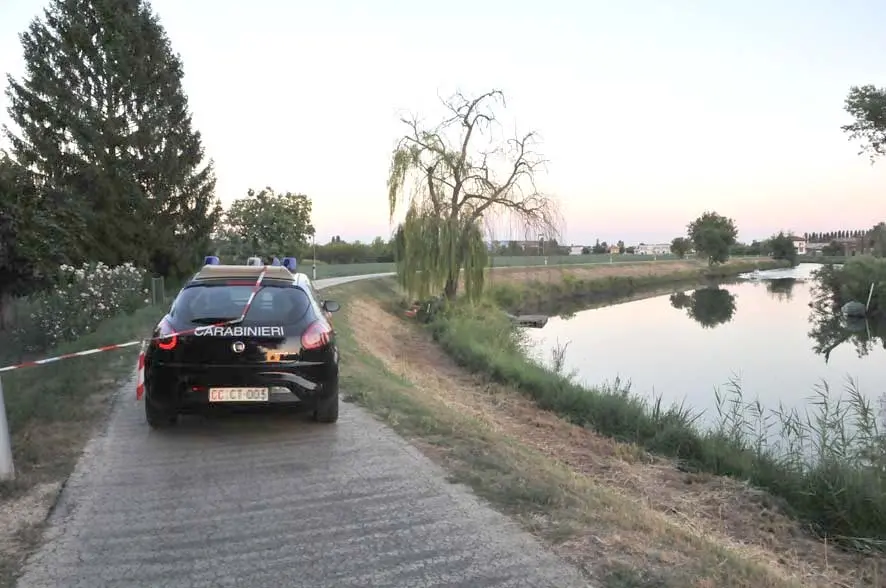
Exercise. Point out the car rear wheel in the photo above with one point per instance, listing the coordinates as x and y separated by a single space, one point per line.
326 410
158 417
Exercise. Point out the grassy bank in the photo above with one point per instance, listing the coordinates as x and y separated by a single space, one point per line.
627 518
837 493
335 270
53 411
566 288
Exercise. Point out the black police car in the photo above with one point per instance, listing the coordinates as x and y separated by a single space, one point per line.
206 352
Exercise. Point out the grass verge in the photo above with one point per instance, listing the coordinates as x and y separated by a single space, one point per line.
53 411
335 270
624 517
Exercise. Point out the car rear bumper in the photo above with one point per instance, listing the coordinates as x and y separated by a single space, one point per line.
187 386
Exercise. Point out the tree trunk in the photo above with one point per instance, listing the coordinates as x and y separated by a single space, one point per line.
451 287
7 318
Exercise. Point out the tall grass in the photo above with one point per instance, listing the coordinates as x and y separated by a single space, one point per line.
828 466
828 461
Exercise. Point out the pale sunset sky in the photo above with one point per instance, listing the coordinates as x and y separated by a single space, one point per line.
650 111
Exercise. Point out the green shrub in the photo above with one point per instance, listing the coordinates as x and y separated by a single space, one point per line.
838 285
81 299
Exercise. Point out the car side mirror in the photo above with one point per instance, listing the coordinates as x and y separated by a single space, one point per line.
331 306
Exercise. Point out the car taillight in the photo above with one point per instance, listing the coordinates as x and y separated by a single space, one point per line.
316 335
167 343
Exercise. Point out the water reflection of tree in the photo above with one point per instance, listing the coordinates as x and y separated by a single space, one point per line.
680 300
709 307
830 330
781 288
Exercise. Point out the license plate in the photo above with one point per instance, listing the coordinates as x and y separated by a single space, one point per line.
238 395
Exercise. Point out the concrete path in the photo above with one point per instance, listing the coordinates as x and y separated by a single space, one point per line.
273 499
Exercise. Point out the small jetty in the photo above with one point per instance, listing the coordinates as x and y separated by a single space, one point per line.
535 321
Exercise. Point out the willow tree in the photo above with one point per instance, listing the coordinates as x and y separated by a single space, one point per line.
461 174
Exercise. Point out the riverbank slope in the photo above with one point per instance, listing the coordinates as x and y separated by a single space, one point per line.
841 494
627 517
551 290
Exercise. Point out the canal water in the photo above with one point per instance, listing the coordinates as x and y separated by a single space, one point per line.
682 346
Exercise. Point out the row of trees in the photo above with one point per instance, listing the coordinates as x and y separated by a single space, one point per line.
552 247
336 251
830 236
604 247
514 248
714 237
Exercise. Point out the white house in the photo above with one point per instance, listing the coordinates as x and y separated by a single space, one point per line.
575 249
799 244
653 249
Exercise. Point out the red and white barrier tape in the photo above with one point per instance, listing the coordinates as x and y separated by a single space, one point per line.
69 355
233 321
140 386
252 295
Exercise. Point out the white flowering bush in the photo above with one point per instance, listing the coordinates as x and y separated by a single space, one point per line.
81 298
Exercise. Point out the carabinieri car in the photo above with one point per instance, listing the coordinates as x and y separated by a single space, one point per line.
205 351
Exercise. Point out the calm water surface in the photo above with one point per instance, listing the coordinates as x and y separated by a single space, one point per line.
683 346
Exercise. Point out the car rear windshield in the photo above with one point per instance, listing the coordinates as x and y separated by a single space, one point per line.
207 303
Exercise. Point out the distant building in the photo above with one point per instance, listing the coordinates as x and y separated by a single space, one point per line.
653 249
575 249
815 248
525 246
615 249
799 244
